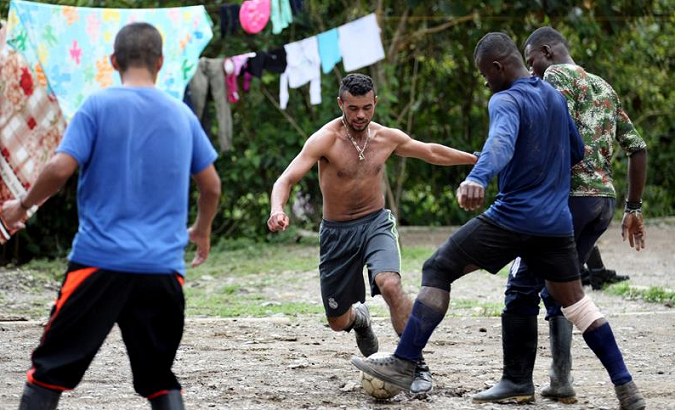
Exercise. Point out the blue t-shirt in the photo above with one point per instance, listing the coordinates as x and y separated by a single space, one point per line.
532 144
137 148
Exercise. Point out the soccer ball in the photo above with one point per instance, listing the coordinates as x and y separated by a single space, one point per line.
377 388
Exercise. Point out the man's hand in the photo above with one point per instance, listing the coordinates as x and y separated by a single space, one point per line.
470 195
13 214
203 242
633 226
278 221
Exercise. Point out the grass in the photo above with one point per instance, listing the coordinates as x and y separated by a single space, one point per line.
653 294
244 278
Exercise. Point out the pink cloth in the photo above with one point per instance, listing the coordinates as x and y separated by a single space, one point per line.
254 15
238 62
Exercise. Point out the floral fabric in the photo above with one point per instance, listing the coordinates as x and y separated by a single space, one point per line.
31 126
70 46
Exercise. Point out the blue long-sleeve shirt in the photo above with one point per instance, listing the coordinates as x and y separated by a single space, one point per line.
532 144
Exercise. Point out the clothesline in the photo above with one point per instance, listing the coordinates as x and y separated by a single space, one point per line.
357 44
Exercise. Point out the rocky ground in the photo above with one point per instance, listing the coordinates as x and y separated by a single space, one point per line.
298 363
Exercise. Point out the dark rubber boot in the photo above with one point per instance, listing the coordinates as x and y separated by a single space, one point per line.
560 389
629 397
173 400
39 398
601 277
519 340
422 382
366 339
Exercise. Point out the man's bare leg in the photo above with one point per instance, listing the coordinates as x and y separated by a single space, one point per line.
357 318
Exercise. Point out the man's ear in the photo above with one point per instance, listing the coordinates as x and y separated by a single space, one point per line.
340 103
160 63
113 62
547 51
497 66
375 100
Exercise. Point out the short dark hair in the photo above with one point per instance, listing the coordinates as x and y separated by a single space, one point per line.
496 45
545 35
357 84
138 45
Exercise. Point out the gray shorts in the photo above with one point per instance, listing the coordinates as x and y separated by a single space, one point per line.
345 248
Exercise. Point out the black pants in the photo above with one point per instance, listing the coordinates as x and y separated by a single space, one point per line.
149 310
591 217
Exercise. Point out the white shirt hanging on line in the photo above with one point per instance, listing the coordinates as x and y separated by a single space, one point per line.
360 43
303 65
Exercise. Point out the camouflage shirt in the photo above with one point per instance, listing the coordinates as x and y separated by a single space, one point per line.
597 111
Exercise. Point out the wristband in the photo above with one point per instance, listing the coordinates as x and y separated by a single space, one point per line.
476 154
277 213
24 207
633 207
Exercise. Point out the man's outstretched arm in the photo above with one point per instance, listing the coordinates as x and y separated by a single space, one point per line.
54 175
432 153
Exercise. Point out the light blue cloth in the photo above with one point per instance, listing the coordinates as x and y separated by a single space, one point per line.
71 45
329 49
136 148
281 15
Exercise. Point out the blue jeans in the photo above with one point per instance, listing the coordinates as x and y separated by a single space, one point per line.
591 217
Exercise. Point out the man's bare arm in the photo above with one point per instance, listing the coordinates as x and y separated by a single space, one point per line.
208 185
298 168
432 153
54 175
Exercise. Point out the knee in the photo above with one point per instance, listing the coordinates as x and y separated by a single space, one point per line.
389 284
340 323
584 314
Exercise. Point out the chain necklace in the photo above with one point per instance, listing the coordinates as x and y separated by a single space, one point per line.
359 150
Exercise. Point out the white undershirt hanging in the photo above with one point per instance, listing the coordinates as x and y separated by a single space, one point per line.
303 65
360 43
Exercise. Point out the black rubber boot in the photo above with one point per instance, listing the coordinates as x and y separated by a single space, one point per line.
39 398
601 277
173 400
519 341
560 389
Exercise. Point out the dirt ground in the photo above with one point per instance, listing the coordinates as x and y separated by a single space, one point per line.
298 363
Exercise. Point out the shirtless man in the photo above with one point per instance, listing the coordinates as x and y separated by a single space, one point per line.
357 230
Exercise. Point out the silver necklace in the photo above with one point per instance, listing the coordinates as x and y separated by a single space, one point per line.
359 150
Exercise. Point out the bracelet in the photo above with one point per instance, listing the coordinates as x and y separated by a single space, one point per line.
633 204
635 212
277 213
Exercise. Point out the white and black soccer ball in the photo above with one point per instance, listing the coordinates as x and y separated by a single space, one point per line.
377 388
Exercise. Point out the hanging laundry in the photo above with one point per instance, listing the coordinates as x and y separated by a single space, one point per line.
31 125
303 65
329 49
281 15
72 45
360 43
229 19
273 61
297 6
254 15
233 67
210 78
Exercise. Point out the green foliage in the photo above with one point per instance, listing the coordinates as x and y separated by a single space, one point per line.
653 294
428 86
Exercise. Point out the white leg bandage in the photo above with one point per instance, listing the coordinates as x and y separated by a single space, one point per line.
583 313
